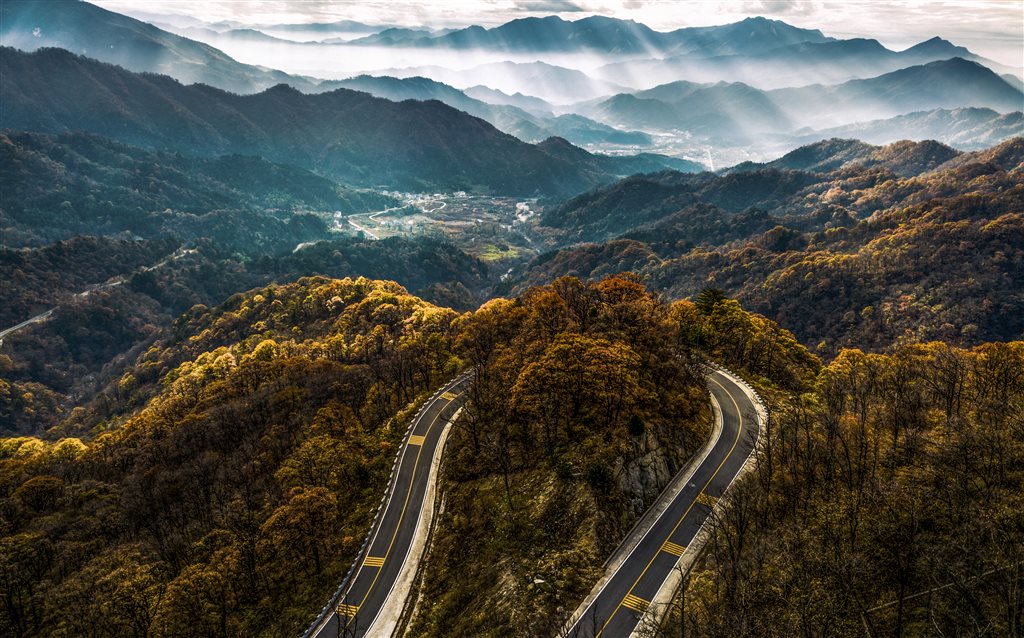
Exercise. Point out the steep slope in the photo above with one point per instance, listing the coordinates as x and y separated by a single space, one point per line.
930 510
242 469
586 402
347 135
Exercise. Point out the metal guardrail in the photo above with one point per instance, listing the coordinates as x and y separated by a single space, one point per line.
762 441
762 423
332 603
699 542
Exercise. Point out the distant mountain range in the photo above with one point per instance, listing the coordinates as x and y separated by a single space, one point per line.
529 127
347 135
738 111
745 91
964 128
802 63
611 36
549 81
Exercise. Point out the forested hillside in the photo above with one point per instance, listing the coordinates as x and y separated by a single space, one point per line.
235 499
56 187
843 243
224 481
887 503
60 363
588 399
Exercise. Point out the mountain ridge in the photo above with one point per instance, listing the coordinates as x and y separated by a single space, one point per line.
353 137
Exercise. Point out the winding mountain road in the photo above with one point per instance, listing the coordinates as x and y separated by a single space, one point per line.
372 597
117 281
626 598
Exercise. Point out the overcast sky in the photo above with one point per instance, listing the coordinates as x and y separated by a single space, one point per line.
994 28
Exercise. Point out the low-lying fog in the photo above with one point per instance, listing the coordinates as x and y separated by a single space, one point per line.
339 61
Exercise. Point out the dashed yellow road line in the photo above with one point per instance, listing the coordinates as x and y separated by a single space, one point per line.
739 431
348 610
415 439
374 561
635 603
672 548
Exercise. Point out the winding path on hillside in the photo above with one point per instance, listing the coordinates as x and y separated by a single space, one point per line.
43 316
635 593
370 600
636 588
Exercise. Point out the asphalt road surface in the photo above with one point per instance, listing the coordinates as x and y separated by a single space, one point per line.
617 609
392 537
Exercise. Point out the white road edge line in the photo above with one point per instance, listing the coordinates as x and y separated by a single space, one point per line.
392 484
660 603
690 470
390 615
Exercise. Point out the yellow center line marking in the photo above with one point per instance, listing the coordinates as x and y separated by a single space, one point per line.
635 603
417 439
374 561
739 430
348 610
405 507
671 548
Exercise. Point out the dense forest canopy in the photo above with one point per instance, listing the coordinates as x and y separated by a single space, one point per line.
57 187
232 500
887 502
74 358
847 245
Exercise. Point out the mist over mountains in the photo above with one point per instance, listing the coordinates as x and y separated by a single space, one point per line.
716 95
611 36
92 31
204 388
348 135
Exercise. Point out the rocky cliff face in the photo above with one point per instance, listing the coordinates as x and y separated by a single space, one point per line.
657 455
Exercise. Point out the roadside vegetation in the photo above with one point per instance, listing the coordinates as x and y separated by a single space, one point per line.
589 398
887 503
223 485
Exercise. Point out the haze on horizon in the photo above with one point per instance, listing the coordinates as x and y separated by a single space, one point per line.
992 28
